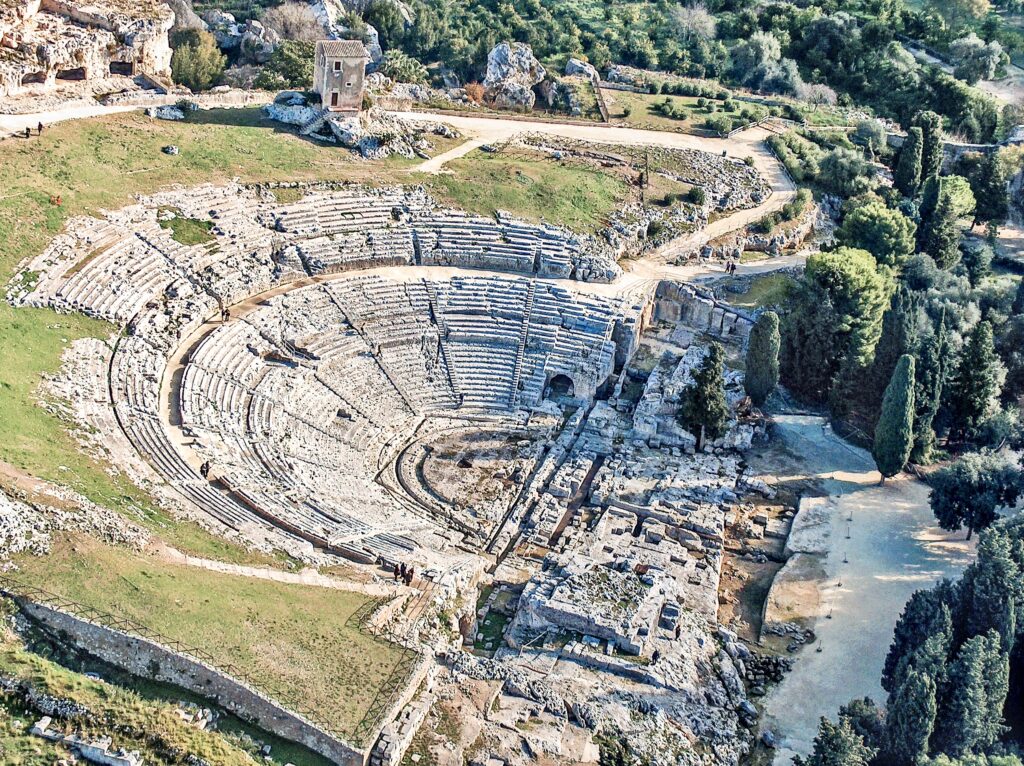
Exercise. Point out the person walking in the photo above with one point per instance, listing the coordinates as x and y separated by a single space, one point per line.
39 129
396 573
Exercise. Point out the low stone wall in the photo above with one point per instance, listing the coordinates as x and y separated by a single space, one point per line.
149 659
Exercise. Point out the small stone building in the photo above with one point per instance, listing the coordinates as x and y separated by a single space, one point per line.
338 71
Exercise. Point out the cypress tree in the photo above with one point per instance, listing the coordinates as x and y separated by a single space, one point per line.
941 233
704 411
970 717
907 176
894 434
988 183
929 377
931 145
992 588
1018 299
899 334
762 365
837 744
963 714
910 720
926 615
975 385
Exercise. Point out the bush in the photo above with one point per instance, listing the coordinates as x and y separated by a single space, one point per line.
696 195
295 21
197 62
729 106
627 110
719 123
475 93
290 67
702 102
402 67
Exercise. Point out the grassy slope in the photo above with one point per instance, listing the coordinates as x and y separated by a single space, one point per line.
120 705
574 196
293 641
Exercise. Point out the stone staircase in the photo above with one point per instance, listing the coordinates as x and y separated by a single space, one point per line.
524 331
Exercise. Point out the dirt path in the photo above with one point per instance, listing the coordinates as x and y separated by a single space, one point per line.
306 576
893 549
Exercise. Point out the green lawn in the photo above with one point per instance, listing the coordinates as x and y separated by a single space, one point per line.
578 197
294 642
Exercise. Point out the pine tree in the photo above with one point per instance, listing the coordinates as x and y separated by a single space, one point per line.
988 183
970 491
894 434
977 380
931 145
762 364
907 177
704 411
837 744
910 720
929 378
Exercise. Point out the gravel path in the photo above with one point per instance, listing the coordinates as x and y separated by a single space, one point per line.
893 549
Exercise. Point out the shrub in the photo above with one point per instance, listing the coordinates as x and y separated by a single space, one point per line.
295 21
696 195
719 123
475 93
627 110
290 66
402 67
197 62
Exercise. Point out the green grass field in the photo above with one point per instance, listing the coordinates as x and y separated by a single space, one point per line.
295 643
578 197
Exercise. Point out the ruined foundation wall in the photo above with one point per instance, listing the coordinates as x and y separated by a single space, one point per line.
677 302
149 659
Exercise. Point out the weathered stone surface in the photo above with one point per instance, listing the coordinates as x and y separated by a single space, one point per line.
60 38
578 67
512 71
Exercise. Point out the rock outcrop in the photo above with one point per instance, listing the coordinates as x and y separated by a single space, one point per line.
512 72
42 43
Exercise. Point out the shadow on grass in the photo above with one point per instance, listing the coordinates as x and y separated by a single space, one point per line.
248 117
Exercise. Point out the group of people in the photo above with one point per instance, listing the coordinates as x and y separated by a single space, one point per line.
404 573
28 130
730 267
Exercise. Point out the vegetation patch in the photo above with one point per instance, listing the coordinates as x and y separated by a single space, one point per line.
545 190
187 231
299 645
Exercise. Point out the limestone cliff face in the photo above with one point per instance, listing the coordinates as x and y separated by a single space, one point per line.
42 41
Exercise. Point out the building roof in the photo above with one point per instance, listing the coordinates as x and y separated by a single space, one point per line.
346 49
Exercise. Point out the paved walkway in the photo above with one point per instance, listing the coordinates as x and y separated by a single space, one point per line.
894 548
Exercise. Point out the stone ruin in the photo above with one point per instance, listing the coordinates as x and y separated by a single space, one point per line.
46 43
395 381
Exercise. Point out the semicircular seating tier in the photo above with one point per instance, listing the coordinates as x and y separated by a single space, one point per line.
300 398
